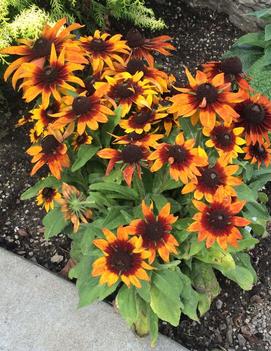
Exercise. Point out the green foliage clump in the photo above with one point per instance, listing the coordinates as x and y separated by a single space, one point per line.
254 49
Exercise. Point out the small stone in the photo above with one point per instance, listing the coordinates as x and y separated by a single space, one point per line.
56 258
219 304
241 340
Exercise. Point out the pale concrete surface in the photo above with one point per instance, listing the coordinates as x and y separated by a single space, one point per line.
38 313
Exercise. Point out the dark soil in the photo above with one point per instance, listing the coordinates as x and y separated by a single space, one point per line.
237 320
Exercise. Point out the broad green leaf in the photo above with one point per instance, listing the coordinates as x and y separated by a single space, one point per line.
189 298
126 303
267 32
245 193
166 288
144 291
264 13
241 275
115 219
248 56
54 223
89 232
109 127
251 39
84 154
124 191
153 323
43 183
216 256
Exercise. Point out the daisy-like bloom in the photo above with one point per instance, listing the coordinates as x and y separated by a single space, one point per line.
132 156
79 140
123 259
38 50
47 80
127 90
182 157
145 140
27 118
83 111
258 153
46 198
102 48
73 206
211 178
142 48
52 152
207 97
218 221
255 118
155 232
226 140
33 135
42 116
142 120
158 78
231 67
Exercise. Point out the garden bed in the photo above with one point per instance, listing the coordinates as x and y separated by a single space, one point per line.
237 320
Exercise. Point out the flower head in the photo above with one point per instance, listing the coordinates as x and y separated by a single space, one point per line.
123 259
218 221
255 118
73 206
46 198
182 157
207 97
211 178
155 232
42 116
258 153
79 140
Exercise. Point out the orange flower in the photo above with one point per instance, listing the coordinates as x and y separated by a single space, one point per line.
231 67
73 206
46 198
123 259
52 152
206 97
142 47
255 118
211 178
155 232
182 158
218 222
79 140
226 140
47 80
42 116
258 153
83 111
131 156
38 50
102 48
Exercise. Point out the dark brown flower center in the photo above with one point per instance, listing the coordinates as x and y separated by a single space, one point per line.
81 105
135 38
154 231
123 91
50 74
207 91
81 139
143 117
258 151
49 144
217 220
135 137
253 113
178 153
89 84
223 137
53 108
121 258
231 65
98 45
209 178
48 193
135 65
132 154
42 48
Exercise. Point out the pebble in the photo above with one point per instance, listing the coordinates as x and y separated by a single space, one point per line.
56 258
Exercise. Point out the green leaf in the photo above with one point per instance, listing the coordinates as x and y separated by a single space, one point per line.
144 291
123 191
189 298
153 323
126 303
251 39
115 218
264 13
166 288
84 154
216 256
248 56
110 126
267 32
89 232
245 193
43 183
54 223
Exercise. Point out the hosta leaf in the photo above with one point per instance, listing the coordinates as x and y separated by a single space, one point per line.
43 183
54 223
84 154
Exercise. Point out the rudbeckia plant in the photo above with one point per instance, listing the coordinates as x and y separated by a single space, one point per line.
158 185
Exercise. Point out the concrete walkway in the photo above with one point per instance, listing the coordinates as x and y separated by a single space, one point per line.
38 313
